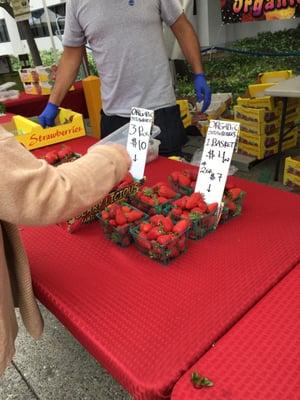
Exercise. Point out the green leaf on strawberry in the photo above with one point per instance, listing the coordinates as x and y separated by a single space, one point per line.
200 381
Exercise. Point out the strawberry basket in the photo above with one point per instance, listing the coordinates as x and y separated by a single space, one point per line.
117 219
160 239
154 200
233 203
183 182
202 217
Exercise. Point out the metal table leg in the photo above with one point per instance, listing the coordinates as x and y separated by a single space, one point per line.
281 135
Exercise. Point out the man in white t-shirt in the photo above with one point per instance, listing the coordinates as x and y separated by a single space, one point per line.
126 39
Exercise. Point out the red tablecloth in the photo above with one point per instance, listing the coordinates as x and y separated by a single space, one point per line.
6 118
29 105
147 324
258 359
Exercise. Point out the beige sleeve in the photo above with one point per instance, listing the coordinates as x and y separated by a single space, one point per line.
33 192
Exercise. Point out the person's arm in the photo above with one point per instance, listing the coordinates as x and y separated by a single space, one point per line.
33 192
189 43
73 42
190 46
66 74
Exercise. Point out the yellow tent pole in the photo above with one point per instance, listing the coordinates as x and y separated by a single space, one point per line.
91 87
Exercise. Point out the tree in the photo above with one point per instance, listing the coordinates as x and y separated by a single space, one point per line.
24 27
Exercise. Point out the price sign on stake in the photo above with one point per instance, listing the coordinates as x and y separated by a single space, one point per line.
141 121
216 158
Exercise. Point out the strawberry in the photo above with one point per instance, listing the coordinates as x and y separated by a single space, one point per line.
185 214
64 152
51 157
231 205
126 209
166 191
112 208
176 212
181 243
203 206
134 215
147 200
181 202
112 222
234 193
127 180
167 224
184 180
120 218
165 239
197 210
212 207
105 214
181 226
157 219
145 227
174 175
193 201
162 200
158 185
154 233
174 252
143 241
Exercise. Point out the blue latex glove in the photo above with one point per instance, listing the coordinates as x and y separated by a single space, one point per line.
203 91
47 118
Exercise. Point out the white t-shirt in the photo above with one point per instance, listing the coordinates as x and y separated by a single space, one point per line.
128 47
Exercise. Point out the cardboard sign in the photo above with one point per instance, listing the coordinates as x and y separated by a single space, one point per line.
141 121
216 159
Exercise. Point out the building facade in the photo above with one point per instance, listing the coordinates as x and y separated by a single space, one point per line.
207 22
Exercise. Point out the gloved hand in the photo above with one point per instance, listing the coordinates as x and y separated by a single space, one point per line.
48 116
203 91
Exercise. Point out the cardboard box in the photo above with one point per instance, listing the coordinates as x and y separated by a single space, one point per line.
261 142
260 129
292 166
291 180
253 116
275 76
290 140
185 112
266 102
257 152
32 135
258 90
39 80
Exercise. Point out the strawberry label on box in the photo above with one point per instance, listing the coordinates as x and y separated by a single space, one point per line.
140 126
219 145
120 193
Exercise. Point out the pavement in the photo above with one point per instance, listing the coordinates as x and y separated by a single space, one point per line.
57 367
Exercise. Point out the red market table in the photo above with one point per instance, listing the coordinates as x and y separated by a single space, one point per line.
258 359
30 105
146 323
5 118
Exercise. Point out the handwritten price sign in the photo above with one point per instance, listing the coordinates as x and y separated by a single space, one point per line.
216 159
141 121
